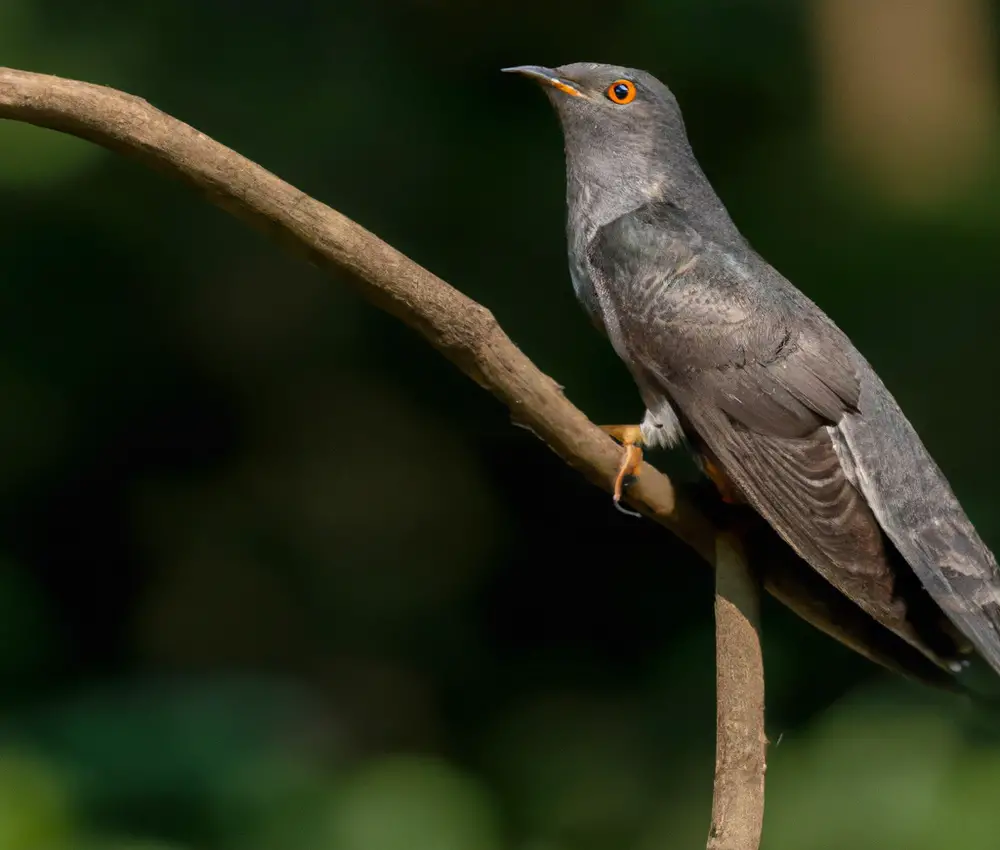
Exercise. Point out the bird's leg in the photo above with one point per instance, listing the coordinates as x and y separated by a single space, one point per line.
727 490
630 437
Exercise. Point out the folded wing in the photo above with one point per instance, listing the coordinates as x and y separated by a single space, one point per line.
799 422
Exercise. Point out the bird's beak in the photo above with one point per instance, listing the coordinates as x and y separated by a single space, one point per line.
547 76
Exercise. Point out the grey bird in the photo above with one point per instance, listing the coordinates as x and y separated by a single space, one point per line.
783 412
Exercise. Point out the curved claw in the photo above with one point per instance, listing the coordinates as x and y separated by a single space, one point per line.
630 437
631 464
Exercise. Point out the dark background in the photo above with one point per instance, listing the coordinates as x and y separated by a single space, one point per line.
273 575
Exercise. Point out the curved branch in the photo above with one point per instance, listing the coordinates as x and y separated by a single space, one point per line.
464 331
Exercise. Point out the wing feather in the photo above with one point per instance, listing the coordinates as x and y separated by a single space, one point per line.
916 507
800 487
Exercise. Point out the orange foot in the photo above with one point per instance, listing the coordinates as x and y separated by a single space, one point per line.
630 437
727 490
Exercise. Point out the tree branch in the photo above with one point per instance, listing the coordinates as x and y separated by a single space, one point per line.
464 332
738 803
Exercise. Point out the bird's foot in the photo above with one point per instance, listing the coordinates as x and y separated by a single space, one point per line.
727 490
630 438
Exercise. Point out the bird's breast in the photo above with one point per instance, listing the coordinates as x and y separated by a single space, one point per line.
661 426
583 287
598 303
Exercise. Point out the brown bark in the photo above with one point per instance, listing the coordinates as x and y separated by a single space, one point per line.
740 745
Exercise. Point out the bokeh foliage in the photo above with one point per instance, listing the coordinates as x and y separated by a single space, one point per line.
273 576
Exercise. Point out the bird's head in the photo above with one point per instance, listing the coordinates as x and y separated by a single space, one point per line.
624 136
607 106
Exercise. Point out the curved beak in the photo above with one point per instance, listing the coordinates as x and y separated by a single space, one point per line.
546 76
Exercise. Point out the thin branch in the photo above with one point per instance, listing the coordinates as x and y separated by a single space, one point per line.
464 331
738 802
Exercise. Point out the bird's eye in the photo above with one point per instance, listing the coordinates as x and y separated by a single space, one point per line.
621 91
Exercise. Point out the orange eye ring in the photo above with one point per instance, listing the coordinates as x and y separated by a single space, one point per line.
621 92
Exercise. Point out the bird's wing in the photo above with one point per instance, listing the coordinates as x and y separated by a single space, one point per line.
798 484
916 507
776 393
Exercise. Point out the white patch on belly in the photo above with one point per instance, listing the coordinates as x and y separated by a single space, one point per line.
661 429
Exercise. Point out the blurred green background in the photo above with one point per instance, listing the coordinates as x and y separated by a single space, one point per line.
273 575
